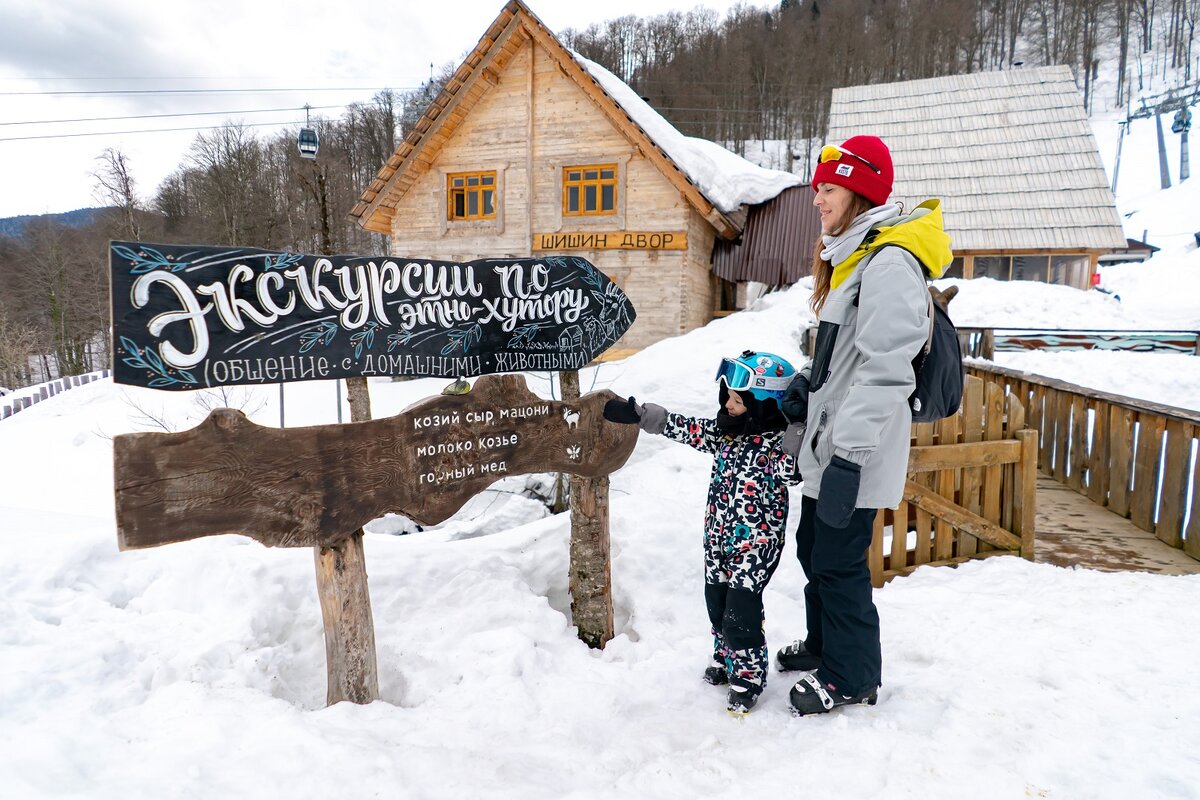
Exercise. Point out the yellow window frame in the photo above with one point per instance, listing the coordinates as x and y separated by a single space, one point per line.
589 190
471 195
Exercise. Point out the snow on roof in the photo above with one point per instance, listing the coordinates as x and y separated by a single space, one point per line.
725 178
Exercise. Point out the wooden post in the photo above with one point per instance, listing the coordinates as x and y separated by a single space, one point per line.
993 475
590 570
1098 468
972 477
1147 457
1120 441
1191 536
988 349
1174 487
875 550
1076 456
349 627
1025 498
353 672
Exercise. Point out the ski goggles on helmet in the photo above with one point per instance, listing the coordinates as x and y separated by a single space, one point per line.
741 376
735 374
831 152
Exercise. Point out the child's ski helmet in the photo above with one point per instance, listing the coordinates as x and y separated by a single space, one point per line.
764 375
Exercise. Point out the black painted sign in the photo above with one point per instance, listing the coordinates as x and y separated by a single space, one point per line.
192 317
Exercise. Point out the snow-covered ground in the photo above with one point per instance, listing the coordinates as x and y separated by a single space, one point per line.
197 670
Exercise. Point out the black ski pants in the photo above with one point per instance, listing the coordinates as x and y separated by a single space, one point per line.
843 624
737 614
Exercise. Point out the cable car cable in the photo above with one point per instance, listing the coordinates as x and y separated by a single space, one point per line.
163 116
107 92
144 130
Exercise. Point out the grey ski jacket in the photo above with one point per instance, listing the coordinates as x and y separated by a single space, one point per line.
861 376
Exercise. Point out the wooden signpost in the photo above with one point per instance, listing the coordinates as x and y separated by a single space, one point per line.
195 317
311 486
317 486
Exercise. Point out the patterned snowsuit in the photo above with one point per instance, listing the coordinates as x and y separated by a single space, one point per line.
743 536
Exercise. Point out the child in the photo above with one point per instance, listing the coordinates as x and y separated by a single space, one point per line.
747 507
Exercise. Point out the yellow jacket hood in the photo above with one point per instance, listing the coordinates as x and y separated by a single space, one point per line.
920 233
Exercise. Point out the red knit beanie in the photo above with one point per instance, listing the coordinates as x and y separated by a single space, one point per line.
870 175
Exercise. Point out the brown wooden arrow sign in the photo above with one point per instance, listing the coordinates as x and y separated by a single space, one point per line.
313 486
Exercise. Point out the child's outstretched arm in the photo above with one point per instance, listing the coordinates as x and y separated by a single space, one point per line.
701 434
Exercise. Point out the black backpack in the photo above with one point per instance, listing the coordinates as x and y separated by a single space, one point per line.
938 369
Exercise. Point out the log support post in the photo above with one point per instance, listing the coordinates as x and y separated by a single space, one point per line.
353 672
349 628
590 571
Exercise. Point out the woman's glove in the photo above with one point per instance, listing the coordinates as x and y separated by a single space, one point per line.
625 412
795 399
793 438
838 492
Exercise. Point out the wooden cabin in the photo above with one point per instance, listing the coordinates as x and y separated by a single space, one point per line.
1013 158
532 150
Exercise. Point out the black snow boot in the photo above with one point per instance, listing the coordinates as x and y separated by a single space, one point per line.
741 700
717 676
796 657
810 696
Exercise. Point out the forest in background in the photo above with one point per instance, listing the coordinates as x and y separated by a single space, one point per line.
756 73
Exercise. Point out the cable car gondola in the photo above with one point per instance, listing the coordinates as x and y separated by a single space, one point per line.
308 142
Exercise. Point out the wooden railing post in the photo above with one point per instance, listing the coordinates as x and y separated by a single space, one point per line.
1025 499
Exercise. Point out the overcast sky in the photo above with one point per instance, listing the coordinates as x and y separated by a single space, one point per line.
338 51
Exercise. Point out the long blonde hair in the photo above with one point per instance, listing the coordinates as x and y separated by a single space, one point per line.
822 270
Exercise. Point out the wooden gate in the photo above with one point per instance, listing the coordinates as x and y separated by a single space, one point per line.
971 489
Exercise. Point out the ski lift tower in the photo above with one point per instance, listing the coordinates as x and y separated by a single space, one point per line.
1177 100
308 142
1181 125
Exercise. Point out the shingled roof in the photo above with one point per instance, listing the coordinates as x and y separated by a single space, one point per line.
1010 153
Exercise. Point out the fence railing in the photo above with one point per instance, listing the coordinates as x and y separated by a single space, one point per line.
11 404
1136 458
985 342
971 489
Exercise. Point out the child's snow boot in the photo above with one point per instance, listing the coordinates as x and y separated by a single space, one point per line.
717 676
796 657
741 700
810 696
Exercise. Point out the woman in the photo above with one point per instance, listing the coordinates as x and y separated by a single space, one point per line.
870 298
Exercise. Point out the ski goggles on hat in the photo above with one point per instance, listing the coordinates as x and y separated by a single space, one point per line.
831 152
740 376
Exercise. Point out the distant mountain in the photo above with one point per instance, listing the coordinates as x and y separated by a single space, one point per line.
15 226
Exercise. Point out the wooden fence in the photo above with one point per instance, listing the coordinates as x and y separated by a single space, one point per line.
985 342
970 492
1134 457
10 405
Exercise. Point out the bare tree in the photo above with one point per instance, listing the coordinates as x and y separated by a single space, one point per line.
115 187
18 344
